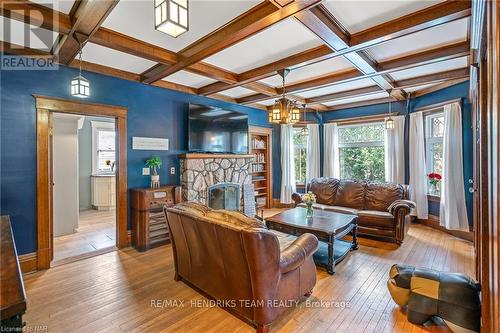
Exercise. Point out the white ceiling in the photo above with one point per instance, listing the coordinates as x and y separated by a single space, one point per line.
416 88
357 15
237 92
361 83
279 41
337 64
136 18
189 79
63 6
108 57
445 34
38 38
358 99
431 68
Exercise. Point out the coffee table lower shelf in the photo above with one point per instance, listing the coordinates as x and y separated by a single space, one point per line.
340 250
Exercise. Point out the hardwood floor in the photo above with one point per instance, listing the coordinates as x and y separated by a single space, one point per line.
96 231
113 292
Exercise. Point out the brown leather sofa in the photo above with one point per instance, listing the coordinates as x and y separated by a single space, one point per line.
235 259
382 208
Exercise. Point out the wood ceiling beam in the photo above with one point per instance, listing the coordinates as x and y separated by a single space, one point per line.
253 21
393 65
15 49
87 17
454 74
37 15
430 17
361 103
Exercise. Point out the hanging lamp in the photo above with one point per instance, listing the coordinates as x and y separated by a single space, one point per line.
284 110
80 86
389 122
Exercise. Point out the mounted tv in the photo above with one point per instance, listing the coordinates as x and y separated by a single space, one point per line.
215 130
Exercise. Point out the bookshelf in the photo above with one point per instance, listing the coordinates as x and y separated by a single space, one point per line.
261 146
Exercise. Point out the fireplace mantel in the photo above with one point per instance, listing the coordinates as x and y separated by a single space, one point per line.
205 155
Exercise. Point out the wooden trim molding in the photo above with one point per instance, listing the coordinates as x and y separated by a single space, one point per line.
44 108
28 262
433 222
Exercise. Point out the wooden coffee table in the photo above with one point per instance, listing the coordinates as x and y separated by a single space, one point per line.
328 226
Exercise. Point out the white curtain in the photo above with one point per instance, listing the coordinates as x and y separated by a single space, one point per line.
394 151
418 174
331 163
453 211
313 154
287 164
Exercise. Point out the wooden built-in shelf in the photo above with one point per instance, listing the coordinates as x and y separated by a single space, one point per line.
263 153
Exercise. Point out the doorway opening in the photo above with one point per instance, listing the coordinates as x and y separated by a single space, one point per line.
51 164
84 182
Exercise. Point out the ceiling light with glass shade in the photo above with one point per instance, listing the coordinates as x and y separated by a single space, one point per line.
389 122
284 110
171 17
80 86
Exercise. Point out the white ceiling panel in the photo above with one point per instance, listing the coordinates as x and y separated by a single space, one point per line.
13 31
358 15
136 19
449 33
431 68
332 65
63 6
108 57
416 88
358 99
267 102
278 41
189 79
336 88
237 92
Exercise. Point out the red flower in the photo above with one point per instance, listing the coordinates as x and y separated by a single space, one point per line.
434 175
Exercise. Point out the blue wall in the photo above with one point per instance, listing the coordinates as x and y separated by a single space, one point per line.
152 111
460 90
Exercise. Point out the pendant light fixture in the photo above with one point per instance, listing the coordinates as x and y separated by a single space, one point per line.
389 122
171 17
304 131
284 110
80 86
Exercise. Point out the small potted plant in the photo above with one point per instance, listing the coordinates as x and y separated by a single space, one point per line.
154 163
434 180
309 198
111 164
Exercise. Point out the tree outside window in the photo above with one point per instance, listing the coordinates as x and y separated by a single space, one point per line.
300 155
361 151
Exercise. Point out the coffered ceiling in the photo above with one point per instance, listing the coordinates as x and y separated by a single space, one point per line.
340 53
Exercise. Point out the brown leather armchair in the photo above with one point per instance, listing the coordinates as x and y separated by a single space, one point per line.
382 208
233 258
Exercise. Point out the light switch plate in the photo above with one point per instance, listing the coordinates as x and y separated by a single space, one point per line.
172 170
145 171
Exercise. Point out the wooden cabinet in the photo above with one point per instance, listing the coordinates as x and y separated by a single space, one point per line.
261 146
103 189
149 225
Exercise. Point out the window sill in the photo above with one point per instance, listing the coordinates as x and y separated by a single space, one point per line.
433 197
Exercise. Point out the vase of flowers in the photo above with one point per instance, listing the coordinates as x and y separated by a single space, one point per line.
154 163
435 181
309 199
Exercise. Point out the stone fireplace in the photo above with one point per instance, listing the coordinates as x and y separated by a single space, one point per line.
201 173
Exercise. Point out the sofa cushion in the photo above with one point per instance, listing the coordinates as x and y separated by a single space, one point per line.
350 193
374 218
235 219
338 209
379 196
325 189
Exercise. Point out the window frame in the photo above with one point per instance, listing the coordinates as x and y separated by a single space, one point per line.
369 144
99 126
430 141
299 183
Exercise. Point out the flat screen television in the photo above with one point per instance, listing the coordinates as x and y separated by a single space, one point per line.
215 130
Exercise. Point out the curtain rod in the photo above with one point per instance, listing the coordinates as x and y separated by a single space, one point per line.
363 118
438 105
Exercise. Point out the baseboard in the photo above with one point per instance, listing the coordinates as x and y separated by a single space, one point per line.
433 222
28 262
277 204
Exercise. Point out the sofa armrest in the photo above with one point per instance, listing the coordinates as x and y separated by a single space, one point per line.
294 255
400 209
401 206
297 198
